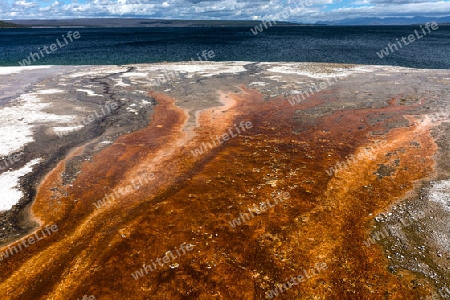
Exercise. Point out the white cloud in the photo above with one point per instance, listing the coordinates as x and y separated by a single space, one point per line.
221 9
25 4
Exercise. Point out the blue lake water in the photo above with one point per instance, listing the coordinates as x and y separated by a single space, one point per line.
116 46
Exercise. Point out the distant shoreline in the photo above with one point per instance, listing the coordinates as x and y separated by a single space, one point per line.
143 22
136 23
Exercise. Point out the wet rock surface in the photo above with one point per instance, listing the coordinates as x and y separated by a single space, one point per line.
363 159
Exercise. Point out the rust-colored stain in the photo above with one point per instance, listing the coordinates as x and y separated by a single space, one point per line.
193 199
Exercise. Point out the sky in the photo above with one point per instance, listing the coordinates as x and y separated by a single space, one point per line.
306 11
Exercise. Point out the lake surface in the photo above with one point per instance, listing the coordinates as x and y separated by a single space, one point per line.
337 44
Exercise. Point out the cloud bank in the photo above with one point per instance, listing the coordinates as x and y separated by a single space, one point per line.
221 9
